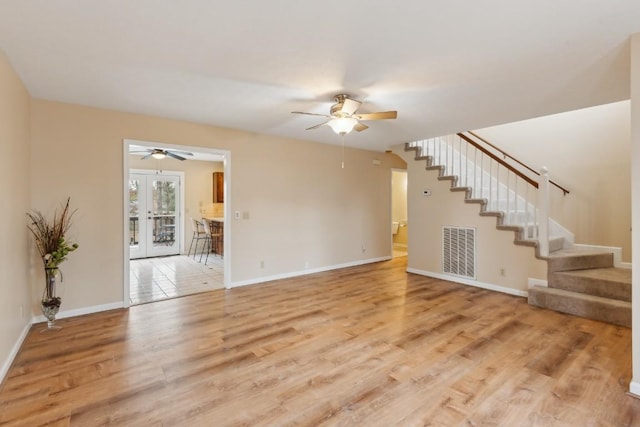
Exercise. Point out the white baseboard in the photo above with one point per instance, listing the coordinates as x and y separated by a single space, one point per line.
537 282
14 351
634 388
80 311
475 283
305 272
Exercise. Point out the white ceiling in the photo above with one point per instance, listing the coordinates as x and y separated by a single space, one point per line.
445 65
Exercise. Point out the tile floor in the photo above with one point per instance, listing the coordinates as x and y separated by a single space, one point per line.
154 279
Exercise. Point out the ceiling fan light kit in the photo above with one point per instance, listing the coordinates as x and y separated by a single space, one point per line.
158 156
342 125
343 118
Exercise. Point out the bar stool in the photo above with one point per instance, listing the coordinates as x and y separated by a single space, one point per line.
198 234
210 238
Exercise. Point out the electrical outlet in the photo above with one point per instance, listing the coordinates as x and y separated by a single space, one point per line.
261 264
503 272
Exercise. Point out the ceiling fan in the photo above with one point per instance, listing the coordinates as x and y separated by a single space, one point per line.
343 117
159 154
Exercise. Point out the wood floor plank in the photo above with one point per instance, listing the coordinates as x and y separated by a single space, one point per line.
364 346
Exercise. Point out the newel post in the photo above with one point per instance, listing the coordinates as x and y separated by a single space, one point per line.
543 212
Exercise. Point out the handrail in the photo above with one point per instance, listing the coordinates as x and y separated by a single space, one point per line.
504 153
499 160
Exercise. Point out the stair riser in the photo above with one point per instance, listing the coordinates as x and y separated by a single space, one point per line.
597 287
615 312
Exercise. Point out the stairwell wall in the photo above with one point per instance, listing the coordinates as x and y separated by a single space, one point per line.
586 151
495 250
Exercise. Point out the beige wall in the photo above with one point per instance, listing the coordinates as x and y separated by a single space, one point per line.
15 259
494 249
304 210
587 151
198 186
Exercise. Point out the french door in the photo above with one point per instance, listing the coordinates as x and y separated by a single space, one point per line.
154 215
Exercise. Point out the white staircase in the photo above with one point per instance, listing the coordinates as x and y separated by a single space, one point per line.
581 280
507 189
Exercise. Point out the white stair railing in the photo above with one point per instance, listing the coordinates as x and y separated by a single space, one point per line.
488 174
543 206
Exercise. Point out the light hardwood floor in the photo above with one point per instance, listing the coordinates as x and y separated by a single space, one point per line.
363 346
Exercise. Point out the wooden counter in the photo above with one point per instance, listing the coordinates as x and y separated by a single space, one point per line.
217 227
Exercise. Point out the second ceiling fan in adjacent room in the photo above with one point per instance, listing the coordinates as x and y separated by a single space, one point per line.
159 154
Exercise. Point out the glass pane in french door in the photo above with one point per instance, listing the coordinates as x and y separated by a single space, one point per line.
164 212
136 220
154 202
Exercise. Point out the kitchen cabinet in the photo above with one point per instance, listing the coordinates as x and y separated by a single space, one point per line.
218 187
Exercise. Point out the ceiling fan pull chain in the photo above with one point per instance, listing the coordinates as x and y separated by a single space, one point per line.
343 151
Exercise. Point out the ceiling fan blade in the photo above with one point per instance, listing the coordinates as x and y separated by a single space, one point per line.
381 115
146 157
317 126
349 106
174 155
309 114
182 153
360 127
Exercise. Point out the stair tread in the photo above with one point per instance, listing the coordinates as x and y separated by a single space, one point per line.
593 307
580 296
570 260
577 252
609 274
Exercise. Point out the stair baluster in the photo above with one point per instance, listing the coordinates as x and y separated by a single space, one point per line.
510 188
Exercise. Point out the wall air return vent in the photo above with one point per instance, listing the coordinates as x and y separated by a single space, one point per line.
459 251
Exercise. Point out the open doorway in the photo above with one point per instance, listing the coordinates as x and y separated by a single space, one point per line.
399 224
162 193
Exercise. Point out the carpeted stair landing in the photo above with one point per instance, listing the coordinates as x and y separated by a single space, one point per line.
586 285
